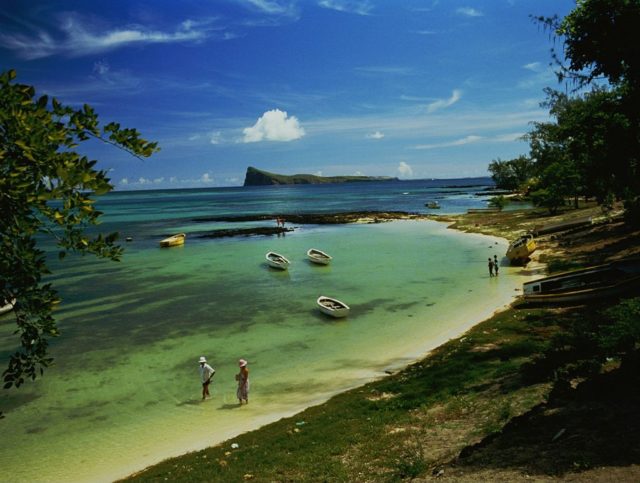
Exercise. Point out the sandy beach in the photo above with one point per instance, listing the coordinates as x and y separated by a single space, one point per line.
132 428
258 414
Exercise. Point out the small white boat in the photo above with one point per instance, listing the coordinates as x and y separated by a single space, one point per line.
276 260
433 205
7 307
318 256
173 241
333 307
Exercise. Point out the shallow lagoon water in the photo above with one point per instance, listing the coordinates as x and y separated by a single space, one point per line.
124 391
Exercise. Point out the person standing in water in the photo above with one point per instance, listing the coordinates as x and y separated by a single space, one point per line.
490 267
495 264
243 382
206 373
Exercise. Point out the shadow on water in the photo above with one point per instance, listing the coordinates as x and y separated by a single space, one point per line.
190 402
229 406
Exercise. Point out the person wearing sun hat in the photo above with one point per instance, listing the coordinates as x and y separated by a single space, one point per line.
243 382
206 373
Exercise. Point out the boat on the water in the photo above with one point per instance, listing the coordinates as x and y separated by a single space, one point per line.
520 249
333 307
174 241
433 205
318 256
7 306
276 260
601 281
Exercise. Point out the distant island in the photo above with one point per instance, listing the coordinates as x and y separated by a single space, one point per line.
257 177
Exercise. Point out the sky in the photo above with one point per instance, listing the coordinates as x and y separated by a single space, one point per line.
407 88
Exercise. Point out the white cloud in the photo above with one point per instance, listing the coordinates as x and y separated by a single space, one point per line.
206 178
457 142
80 38
469 12
385 70
359 7
274 125
509 137
456 95
405 170
375 135
124 181
215 137
532 66
272 7
101 67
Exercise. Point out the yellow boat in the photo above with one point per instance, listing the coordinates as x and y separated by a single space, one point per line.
174 241
520 249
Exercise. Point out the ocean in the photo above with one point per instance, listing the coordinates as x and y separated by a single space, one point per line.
124 391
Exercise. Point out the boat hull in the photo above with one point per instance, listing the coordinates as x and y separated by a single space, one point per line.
173 241
275 260
520 249
8 307
602 281
319 257
333 307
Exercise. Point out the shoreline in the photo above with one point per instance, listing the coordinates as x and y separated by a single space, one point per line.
464 322
457 409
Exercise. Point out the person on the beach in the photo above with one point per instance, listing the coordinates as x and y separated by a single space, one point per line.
495 264
490 267
206 373
243 382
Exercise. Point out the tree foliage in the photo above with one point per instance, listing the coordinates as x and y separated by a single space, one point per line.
596 135
47 190
600 39
511 174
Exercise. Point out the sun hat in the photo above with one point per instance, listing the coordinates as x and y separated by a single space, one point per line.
242 363
202 359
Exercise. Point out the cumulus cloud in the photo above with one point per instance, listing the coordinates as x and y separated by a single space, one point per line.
469 12
124 181
405 170
206 178
359 7
457 142
456 95
375 135
274 125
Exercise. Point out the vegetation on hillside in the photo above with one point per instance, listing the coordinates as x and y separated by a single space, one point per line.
257 177
592 146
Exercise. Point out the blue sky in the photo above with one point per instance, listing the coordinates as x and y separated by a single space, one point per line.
407 88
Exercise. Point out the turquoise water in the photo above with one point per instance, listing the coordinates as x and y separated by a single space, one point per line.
124 391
